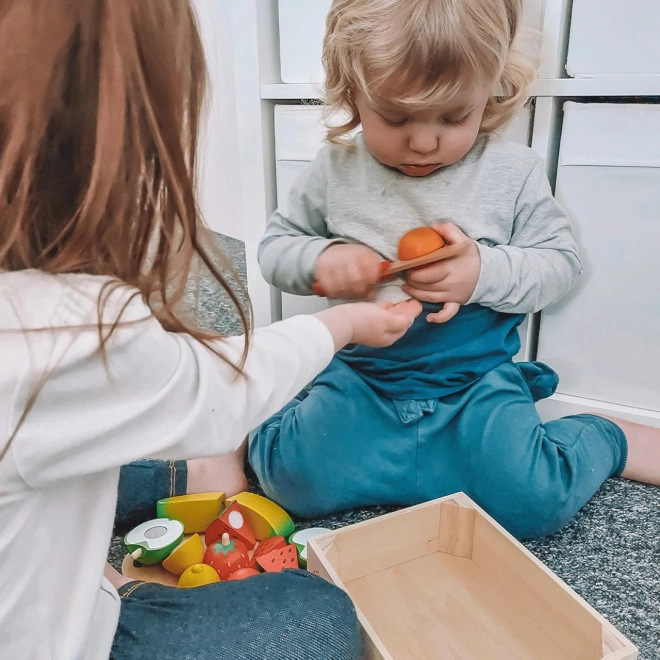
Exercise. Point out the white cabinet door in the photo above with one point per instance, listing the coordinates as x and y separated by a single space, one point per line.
614 38
604 337
302 26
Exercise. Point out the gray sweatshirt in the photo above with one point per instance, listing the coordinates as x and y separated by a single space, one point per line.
497 194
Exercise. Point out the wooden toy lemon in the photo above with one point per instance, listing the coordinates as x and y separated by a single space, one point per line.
154 540
197 576
419 242
264 517
196 512
189 553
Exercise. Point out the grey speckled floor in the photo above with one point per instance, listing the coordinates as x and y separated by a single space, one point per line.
610 553
210 305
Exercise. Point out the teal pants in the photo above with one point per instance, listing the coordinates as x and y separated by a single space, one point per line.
342 446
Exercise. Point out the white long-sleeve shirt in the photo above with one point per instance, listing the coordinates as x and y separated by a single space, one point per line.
163 395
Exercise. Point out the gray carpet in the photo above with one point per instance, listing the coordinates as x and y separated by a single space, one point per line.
610 553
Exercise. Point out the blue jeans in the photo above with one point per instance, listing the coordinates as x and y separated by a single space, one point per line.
292 615
141 485
341 445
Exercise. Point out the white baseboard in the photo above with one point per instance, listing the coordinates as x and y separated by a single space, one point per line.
561 405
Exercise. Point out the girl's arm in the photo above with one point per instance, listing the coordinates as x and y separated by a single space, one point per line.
293 240
163 395
541 262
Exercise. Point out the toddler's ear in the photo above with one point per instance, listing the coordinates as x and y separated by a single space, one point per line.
354 95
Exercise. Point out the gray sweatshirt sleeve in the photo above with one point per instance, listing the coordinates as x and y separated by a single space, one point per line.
541 262
295 238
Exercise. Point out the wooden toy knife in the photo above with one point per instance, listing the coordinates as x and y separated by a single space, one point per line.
389 268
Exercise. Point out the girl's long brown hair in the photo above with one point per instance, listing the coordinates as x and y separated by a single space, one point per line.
100 104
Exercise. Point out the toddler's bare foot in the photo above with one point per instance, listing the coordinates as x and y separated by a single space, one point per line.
222 473
643 451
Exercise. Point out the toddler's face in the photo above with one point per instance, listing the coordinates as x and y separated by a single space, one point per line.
421 141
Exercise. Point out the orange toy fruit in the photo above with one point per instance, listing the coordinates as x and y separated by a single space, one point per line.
243 573
418 243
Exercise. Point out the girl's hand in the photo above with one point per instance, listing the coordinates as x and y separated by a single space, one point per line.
451 281
348 272
369 323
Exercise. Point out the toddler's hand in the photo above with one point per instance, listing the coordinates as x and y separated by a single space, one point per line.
451 281
348 272
370 324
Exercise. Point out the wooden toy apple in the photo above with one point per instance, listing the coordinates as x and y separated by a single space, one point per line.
154 540
300 538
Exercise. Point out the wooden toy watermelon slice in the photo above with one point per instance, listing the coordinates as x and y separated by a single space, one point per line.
277 560
266 546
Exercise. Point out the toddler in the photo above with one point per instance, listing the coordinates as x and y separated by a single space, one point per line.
445 409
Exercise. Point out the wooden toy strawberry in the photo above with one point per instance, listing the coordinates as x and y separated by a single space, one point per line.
226 556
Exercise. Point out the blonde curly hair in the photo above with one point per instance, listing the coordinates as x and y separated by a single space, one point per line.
429 48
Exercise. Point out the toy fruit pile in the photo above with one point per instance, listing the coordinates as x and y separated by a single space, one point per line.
205 538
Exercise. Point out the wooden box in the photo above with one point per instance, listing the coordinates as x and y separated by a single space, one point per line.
444 580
